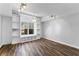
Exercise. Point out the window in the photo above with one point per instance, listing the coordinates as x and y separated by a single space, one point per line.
24 28
28 25
27 29
31 28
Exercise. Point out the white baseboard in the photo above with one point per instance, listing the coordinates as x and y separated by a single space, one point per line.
62 43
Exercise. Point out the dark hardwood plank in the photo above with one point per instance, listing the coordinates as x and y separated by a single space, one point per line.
40 47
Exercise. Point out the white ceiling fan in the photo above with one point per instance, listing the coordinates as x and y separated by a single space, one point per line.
23 5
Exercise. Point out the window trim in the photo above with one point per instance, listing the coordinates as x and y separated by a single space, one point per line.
28 35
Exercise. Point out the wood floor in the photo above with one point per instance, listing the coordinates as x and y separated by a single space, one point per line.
41 47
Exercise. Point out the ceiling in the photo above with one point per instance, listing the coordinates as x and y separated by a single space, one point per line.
47 9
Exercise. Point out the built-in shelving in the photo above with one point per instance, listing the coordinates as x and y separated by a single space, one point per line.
15 25
38 29
16 29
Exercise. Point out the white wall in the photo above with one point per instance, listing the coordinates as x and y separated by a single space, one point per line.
63 29
5 9
6 30
0 30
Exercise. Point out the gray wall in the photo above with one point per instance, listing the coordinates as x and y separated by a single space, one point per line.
64 29
5 30
6 9
0 29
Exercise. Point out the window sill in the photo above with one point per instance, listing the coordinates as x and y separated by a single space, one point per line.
27 35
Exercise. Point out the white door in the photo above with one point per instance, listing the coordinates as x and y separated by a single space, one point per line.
6 30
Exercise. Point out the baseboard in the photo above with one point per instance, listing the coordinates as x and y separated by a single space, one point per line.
63 43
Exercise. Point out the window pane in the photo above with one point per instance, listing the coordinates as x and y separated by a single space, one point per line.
31 28
31 25
31 31
24 28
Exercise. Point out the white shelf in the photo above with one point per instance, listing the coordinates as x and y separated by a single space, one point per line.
15 18
15 22
38 29
15 35
15 26
28 35
15 29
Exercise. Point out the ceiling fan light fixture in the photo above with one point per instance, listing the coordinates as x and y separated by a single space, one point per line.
22 7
